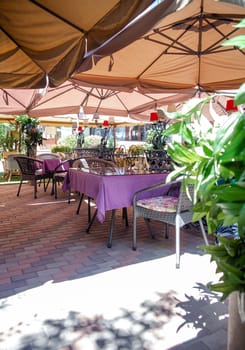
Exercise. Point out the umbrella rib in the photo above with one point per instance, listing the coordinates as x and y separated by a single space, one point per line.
7 94
215 46
122 103
185 48
180 46
54 97
85 100
57 16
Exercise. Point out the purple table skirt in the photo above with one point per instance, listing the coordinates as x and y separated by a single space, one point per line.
49 165
111 192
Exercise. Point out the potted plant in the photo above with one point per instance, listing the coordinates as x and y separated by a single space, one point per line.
32 135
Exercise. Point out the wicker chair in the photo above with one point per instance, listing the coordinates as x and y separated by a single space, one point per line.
59 174
166 208
11 166
48 156
86 152
31 170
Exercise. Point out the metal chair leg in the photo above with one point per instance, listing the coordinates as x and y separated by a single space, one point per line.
134 233
147 221
203 232
125 216
92 221
18 193
177 241
35 188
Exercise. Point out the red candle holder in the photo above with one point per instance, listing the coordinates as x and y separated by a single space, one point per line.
230 106
154 117
79 129
105 123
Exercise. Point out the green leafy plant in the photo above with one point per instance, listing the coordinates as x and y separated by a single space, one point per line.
61 148
215 159
8 138
33 136
92 141
69 141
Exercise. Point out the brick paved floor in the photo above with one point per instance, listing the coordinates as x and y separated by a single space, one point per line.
61 288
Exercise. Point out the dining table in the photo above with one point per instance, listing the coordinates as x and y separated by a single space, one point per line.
111 190
51 165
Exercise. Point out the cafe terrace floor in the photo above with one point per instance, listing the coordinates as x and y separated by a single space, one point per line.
63 289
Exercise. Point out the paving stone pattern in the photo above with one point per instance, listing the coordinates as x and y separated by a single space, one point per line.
63 289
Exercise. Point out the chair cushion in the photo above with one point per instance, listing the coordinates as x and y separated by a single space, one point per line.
161 203
38 172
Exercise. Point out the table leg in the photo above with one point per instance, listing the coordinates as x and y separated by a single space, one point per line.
111 228
80 203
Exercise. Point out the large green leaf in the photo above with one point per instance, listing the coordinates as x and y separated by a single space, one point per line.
233 150
241 222
184 155
240 96
226 132
236 41
230 192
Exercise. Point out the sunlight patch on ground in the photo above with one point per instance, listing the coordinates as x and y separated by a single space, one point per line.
48 203
152 302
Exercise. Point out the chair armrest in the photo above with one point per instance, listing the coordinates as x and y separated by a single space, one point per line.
37 161
63 167
155 187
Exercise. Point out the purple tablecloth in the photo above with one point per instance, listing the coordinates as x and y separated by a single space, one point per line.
110 192
50 164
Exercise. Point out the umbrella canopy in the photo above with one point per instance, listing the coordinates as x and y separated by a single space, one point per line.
182 52
71 120
43 42
71 98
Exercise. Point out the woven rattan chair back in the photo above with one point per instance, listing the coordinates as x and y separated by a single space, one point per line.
31 170
48 156
11 166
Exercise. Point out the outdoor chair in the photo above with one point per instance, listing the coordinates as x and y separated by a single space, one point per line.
11 167
86 152
48 156
31 170
59 174
168 208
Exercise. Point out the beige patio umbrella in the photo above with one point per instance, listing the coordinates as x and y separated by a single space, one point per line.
183 51
43 41
71 98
